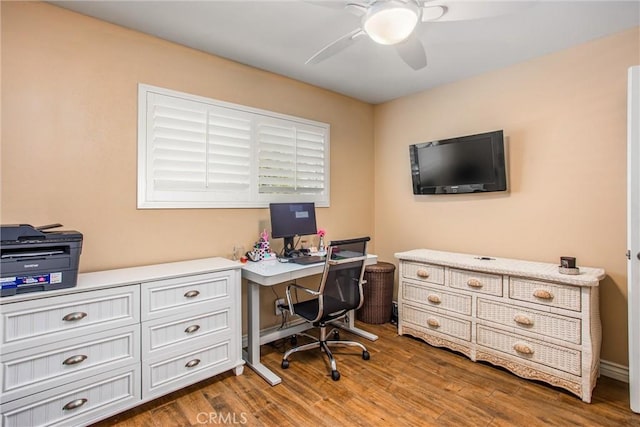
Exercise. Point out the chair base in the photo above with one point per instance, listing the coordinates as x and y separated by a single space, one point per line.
324 344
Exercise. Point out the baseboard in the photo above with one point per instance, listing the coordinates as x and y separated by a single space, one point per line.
615 371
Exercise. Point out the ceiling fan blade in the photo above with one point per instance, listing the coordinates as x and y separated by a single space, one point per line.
358 8
433 13
412 52
335 46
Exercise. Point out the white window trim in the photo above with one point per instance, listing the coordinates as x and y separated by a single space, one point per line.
146 199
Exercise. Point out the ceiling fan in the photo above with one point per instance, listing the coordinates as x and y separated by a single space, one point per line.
393 22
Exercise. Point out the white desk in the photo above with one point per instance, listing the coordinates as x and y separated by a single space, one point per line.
270 273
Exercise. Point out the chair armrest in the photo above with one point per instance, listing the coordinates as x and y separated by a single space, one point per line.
288 292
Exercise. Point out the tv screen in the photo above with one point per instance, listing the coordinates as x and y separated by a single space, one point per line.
467 164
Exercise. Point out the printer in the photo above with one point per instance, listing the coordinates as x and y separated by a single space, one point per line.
36 259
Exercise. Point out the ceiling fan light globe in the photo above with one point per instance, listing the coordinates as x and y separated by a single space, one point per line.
392 24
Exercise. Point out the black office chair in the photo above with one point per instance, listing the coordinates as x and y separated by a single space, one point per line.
340 291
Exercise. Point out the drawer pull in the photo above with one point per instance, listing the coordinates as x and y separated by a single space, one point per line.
523 349
522 320
542 294
433 322
192 363
191 294
422 273
74 360
74 404
474 283
435 299
191 329
72 317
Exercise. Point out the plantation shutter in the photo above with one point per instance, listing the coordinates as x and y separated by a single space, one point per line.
197 152
291 158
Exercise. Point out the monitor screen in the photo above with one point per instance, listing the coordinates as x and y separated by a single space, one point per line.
292 219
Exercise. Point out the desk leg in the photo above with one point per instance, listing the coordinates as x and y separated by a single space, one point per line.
252 356
351 327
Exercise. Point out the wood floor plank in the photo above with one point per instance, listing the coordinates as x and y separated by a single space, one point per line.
405 383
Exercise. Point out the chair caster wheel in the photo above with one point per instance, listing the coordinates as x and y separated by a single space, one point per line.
336 335
285 364
335 375
294 340
366 355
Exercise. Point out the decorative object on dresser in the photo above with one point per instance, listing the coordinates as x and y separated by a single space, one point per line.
119 338
524 316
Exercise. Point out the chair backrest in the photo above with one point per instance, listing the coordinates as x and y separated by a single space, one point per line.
341 285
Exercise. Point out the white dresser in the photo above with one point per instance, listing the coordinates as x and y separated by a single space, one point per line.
119 338
521 315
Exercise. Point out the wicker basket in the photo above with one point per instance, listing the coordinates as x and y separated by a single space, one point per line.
378 293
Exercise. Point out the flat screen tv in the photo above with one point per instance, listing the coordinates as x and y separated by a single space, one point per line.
466 164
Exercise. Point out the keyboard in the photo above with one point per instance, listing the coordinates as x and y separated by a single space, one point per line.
311 259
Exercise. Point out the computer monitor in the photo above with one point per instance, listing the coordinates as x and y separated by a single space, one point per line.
292 219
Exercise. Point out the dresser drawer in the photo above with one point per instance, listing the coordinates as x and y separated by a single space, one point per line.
160 334
423 272
78 403
437 298
545 293
54 319
32 370
175 371
540 322
429 320
521 348
185 294
482 283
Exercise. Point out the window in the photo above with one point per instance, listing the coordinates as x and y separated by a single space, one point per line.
196 152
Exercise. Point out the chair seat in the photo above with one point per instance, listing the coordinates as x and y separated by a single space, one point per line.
333 308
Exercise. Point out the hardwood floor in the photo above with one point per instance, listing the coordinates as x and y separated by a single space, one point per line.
405 383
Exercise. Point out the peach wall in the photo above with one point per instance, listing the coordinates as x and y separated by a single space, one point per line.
69 140
564 117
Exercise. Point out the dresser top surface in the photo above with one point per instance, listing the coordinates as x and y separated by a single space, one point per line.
588 276
133 275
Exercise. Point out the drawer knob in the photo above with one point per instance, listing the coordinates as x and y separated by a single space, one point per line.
191 294
474 283
435 299
543 294
422 273
522 320
72 317
523 349
74 404
74 360
191 329
433 322
192 363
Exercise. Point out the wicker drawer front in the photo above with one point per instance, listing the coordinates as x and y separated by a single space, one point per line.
484 283
546 293
540 322
546 354
434 297
432 321
160 334
423 272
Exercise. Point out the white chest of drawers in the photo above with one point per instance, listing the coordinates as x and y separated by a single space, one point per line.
118 339
521 315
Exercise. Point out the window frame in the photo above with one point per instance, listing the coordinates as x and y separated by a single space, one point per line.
149 197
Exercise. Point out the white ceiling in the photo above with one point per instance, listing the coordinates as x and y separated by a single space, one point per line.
279 36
